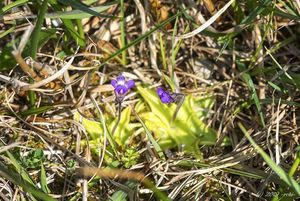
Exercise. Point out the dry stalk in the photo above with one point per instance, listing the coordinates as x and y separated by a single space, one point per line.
24 66
111 173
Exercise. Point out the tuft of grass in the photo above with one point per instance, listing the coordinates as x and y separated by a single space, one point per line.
293 184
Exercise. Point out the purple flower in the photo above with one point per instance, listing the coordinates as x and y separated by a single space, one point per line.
164 96
122 86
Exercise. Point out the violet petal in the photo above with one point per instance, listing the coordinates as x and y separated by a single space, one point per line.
160 91
164 96
121 90
113 83
130 84
120 78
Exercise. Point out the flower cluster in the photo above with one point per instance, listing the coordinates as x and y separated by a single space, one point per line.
122 86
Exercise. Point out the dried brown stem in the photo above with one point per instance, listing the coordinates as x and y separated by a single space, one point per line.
24 66
111 173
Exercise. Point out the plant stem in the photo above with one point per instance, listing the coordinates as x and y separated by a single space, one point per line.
105 129
179 103
119 118
34 45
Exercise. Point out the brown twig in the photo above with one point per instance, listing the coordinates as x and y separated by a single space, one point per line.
110 173
24 66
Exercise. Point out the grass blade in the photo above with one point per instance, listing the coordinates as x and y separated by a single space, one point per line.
251 86
122 29
296 163
80 6
34 45
37 29
14 177
36 111
142 37
106 130
13 4
4 33
151 138
43 179
77 14
277 169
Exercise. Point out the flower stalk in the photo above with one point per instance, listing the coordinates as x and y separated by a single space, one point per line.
121 87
